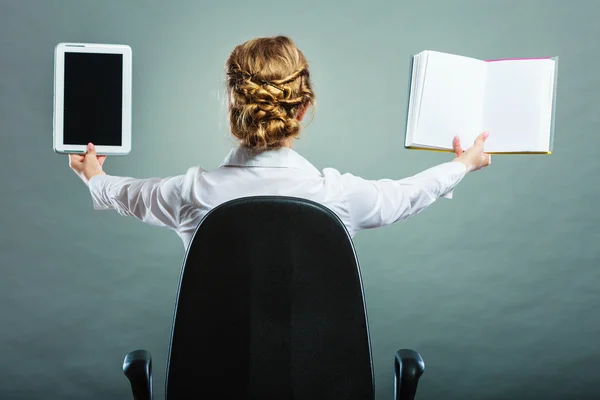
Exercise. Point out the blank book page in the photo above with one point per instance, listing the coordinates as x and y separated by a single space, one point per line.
452 102
516 105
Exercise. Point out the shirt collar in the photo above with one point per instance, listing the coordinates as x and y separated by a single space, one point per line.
281 157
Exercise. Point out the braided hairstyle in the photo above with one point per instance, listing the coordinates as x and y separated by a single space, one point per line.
268 82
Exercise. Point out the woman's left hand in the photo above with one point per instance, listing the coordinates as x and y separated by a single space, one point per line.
87 165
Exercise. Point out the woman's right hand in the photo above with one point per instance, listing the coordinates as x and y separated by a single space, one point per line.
474 158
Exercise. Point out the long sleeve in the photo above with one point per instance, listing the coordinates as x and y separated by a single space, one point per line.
375 203
156 201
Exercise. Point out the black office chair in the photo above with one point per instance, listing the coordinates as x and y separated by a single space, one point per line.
270 306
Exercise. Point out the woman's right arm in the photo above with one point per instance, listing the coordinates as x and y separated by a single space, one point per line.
375 203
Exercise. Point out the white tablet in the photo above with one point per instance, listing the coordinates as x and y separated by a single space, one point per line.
92 98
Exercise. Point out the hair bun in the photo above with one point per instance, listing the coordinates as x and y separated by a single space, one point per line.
265 100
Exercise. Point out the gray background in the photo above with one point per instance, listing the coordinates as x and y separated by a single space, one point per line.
498 288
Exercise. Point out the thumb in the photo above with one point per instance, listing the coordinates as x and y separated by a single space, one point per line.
91 150
457 146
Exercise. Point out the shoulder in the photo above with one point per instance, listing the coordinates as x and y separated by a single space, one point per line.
192 173
332 176
346 184
191 177
341 178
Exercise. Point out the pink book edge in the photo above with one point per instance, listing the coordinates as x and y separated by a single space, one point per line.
517 59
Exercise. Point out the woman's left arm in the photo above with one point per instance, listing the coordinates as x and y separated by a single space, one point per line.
156 201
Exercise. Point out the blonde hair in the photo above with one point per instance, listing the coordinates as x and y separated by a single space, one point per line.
268 84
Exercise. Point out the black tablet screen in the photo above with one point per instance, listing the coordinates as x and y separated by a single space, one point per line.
93 99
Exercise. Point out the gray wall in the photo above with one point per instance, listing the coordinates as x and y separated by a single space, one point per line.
498 288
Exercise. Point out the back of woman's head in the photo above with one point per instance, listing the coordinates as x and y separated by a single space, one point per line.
269 89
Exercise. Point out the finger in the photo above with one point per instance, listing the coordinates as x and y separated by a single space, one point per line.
101 159
482 138
480 141
456 146
486 159
76 159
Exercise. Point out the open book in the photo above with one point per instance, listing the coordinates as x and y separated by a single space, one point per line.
451 95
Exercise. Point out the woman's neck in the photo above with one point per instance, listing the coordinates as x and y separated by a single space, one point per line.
287 142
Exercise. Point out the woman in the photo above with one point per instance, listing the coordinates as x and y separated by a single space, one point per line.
269 90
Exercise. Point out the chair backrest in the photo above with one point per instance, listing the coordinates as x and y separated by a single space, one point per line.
270 306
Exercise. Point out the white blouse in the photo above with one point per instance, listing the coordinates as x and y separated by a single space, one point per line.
180 202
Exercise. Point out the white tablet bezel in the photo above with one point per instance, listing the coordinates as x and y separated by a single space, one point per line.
59 81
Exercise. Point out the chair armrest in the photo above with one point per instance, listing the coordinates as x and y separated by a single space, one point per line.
137 367
408 368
